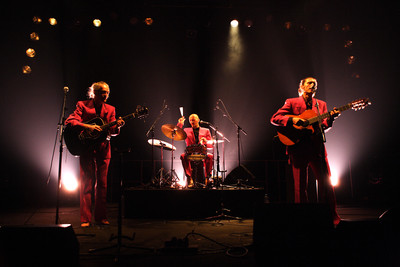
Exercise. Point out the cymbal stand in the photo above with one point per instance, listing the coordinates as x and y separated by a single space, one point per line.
173 177
119 236
222 208
160 174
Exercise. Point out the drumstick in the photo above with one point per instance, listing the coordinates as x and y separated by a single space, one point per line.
181 110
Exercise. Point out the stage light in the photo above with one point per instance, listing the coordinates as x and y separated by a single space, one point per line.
351 60
334 178
70 182
133 20
248 23
97 23
37 20
348 43
287 25
327 27
148 21
346 28
234 23
34 36
52 21
30 52
26 69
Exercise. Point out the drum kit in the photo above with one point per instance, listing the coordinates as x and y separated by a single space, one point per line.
195 153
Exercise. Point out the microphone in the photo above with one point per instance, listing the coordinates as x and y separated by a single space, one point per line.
66 89
216 104
204 122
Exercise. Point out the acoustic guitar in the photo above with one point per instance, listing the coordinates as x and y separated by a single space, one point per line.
79 140
292 135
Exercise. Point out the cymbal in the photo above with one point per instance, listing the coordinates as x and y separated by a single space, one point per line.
174 132
159 143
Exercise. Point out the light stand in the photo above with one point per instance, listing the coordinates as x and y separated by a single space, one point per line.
61 130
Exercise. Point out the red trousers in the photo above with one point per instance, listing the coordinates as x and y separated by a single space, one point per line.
93 173
320 168
208 163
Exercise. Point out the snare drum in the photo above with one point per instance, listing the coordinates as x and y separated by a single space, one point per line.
196 152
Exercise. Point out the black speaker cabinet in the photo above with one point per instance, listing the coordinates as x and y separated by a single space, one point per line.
32 245
291 234
240 175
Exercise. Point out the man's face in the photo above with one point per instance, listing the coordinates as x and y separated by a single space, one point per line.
194 121
309 86
102 94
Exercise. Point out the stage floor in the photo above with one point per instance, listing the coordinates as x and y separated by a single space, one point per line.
216 243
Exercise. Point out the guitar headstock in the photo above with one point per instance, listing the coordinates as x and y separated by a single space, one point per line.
360 104
141 112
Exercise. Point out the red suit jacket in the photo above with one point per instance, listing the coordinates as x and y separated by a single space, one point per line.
190 139
86 111
296 106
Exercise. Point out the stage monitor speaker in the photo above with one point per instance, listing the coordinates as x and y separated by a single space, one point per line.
32 245
240 175
286 234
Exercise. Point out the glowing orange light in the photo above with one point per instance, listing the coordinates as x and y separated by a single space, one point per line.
52 21
26 69
70 182
34 36
37 20
148 21
327 27
287 25
30 52
97 23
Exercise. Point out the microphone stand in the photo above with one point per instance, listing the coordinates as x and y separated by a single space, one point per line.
238 130
151 130
322 147
222 209
218 161
61 131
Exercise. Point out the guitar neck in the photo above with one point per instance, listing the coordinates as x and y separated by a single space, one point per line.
111 124
327 114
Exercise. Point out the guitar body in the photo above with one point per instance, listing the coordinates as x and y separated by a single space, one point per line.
291 135
78 140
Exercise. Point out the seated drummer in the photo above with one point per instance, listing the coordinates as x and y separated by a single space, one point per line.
196 135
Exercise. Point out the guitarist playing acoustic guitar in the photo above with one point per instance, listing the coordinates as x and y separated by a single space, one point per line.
309 149
94 161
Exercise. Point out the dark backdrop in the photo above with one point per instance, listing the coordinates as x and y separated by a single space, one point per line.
189 58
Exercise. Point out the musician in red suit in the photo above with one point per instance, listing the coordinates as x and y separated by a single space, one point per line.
196 135
94 162
310 150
